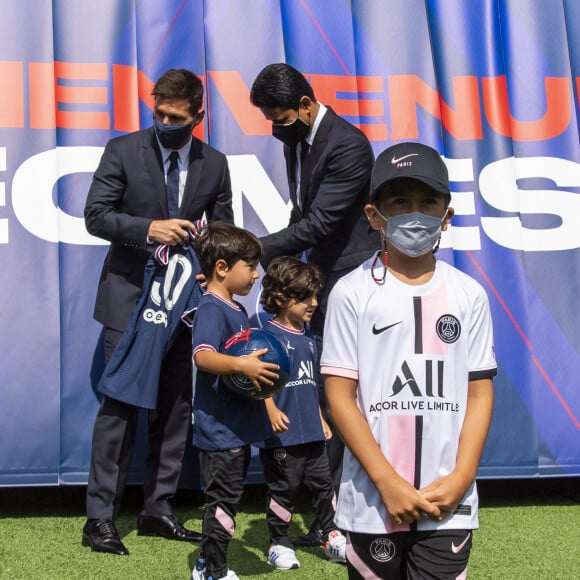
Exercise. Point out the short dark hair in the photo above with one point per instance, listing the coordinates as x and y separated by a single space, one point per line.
180 83
289 278
224 241
280 85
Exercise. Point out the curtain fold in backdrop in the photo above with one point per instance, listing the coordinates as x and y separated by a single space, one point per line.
493 85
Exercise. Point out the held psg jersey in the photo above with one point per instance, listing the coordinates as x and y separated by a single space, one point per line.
221 419
169 297
413 350
299 398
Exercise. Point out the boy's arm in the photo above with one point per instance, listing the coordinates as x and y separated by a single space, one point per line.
403 502
278 419
251 366
447 491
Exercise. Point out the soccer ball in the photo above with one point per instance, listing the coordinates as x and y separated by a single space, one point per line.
244 343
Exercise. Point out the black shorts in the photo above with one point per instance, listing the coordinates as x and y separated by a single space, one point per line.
408 555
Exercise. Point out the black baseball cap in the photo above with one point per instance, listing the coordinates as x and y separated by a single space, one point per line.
410 160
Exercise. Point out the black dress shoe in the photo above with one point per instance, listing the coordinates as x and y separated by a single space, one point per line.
167 527
102 536
312 538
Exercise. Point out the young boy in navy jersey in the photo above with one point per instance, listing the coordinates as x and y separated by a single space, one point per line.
408 362
296 453
224 425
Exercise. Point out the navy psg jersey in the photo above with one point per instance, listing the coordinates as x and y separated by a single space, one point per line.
169 298
299 398
221 419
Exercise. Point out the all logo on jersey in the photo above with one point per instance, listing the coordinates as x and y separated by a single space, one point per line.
448 328
305 375
426 394
306 369
433 379
382 550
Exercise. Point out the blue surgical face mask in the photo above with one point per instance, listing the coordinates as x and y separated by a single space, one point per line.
414 234
173 136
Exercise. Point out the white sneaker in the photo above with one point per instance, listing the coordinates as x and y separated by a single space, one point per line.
199 572
335 547
231 575
282 557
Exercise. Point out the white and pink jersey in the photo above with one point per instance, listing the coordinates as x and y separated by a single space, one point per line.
413 350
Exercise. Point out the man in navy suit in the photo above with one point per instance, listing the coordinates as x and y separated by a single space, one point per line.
149 188
329 164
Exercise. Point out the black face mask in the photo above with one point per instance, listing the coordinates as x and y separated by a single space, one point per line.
292 133
173 136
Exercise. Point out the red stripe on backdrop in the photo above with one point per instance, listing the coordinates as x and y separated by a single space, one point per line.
525 340
326 39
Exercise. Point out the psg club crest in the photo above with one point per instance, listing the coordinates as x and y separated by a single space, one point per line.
448 328
382 550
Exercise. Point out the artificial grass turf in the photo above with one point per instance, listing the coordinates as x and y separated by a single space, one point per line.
529 529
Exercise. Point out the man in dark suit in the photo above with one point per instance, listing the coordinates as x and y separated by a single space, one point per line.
148 189
329 164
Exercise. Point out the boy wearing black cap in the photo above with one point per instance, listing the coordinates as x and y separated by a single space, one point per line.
408 362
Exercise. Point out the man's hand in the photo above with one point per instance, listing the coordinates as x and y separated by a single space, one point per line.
171 232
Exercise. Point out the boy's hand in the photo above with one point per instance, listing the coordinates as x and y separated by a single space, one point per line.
446 493
326 429
405 504
278 419
258 371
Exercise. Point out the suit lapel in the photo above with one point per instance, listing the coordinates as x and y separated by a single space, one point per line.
194 172
316 149
154 164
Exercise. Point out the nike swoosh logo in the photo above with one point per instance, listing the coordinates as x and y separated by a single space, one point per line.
394 160
379 330
456 549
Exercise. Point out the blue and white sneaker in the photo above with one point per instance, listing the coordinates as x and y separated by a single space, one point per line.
282 557
335 547
199 573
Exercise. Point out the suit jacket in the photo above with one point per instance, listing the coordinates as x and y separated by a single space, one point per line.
127 193
328 221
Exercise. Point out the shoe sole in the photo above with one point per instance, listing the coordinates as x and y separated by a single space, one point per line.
160 535
293 567
86 542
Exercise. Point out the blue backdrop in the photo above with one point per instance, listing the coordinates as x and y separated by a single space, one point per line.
493 85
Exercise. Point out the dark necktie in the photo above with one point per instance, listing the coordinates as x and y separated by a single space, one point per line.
304 150
173 185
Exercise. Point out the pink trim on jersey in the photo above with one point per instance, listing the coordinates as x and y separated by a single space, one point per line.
431 308
401 436
355 561
230 304
286 328
200 347
339 372
162 254
280 511
463 575
225 520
